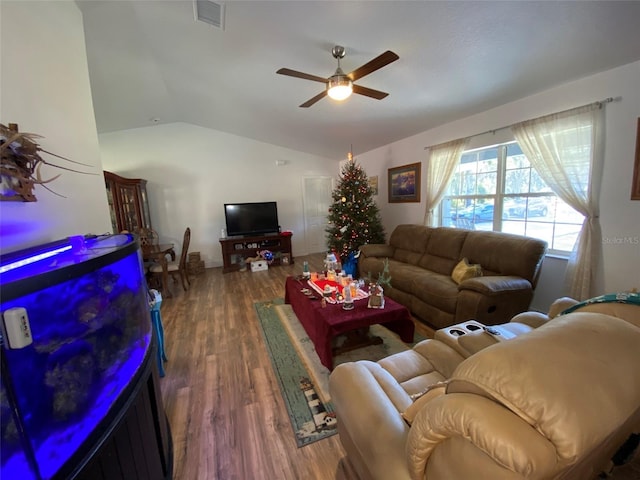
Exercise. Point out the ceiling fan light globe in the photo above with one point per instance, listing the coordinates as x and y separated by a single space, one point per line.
341 92
339 87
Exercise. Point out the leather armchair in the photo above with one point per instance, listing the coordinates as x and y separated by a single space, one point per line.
553 401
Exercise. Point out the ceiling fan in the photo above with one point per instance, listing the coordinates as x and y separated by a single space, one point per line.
340 86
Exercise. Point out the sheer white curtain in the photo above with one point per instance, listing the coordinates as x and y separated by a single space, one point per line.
566 150
441 164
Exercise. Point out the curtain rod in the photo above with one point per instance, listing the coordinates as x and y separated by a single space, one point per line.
494 130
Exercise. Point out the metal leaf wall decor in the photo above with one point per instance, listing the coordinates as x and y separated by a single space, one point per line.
20 163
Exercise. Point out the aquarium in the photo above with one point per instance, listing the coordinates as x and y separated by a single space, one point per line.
75 332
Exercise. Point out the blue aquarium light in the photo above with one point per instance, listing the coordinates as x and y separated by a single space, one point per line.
33 258
45 264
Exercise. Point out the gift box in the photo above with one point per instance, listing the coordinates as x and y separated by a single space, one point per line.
259 265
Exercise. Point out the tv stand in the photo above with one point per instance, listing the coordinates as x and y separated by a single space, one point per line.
235 250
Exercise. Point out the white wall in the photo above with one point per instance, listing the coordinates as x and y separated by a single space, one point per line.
619 216
44 88
192 171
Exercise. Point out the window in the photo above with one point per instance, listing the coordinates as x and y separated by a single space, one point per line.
495 188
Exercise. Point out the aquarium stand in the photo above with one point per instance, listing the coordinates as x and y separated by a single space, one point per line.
138 445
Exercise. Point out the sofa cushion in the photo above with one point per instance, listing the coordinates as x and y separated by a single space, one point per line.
463 271
410 237
436 289
407 256
429 394
371 267
443 358
377 250
403 275
560 376
625 311
504 254
427 363
410 242
413 372
443 250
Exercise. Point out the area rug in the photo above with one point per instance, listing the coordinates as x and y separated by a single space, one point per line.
303 380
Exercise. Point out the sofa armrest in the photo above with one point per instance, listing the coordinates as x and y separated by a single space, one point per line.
495 284
368 410
494 442
494 299
377 250
560 305
533 319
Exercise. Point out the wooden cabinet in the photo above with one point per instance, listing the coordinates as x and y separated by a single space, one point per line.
235 250
128 202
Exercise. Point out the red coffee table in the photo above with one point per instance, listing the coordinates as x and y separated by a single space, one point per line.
323 324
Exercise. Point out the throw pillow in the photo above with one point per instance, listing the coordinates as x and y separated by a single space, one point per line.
464 271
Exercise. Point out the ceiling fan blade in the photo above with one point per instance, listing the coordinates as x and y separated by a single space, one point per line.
380 61
369 92
305 76
313 100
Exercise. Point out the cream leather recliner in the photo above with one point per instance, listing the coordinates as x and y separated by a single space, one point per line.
554 402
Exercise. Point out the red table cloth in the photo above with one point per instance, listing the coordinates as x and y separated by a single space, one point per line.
322 324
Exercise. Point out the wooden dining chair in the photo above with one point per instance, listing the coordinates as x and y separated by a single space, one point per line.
147 236
178 268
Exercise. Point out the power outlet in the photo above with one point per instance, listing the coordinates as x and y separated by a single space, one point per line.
17 328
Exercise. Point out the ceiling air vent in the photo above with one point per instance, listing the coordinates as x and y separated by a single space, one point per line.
209 12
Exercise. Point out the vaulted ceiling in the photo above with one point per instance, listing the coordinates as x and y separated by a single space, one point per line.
151 62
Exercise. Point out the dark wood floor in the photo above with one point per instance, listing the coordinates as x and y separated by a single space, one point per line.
223 402
227 416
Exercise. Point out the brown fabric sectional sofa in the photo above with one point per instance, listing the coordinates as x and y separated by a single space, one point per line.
421 260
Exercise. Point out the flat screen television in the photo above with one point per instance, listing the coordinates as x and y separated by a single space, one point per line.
255 218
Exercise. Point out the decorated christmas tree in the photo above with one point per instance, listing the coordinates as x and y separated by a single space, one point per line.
354 218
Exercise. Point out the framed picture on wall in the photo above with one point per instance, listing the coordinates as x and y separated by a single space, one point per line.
404 183
635 186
